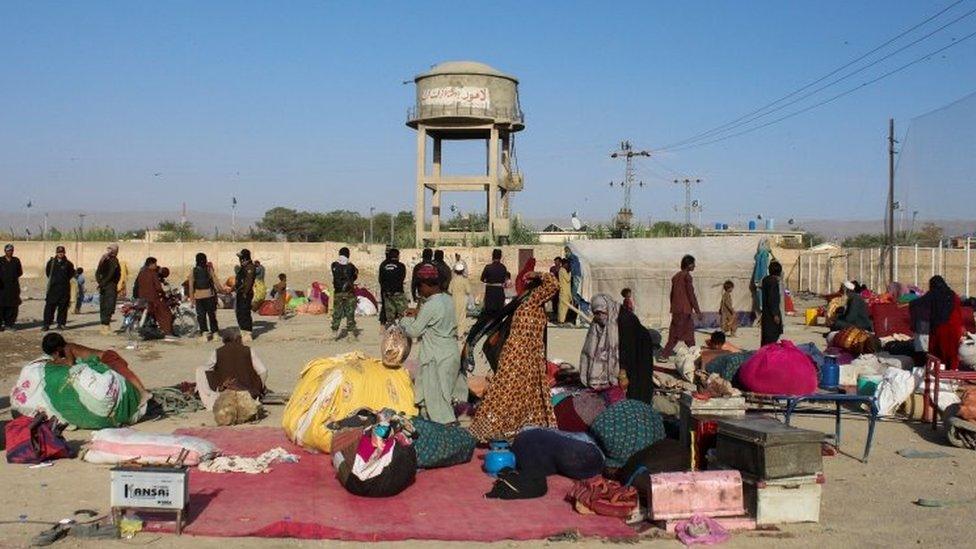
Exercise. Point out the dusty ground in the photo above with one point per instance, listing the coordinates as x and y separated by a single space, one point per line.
864 504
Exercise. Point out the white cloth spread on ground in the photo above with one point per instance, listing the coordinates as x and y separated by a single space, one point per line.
249 465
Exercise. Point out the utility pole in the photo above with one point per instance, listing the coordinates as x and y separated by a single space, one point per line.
891 200
371 210
233 219
688 206
81 226
625 215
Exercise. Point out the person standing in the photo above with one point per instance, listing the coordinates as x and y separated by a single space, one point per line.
576 280
149 287
260 287
442 269
565 292
726 310
426 258
494 275
557 264
108 275
203 295
521 280
244 294
460 289
80 289
943 311
10 273
440 382
771 301
683 304
344 275
392 275
518 394
59 273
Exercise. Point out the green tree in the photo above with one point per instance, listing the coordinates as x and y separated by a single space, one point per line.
523 233
174 231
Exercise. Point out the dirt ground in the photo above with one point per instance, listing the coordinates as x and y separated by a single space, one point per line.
869 505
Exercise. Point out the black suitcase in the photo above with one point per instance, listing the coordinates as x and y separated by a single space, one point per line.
768 449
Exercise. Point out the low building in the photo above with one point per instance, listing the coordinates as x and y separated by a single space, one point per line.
778 238
554 234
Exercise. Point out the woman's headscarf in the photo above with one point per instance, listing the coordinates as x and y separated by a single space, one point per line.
599 363
520 280
201 259
941 299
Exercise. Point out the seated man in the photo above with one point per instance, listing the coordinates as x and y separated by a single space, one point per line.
62 352
233 366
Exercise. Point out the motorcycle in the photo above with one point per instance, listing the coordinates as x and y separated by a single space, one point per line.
137 323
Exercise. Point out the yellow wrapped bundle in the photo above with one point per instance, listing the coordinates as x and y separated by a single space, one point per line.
333 388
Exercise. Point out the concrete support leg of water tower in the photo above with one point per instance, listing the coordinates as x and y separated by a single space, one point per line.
435 214
492 181
421 189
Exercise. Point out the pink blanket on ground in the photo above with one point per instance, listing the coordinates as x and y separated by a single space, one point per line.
304 500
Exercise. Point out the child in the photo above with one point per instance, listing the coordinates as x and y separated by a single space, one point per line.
717 343
628 300
727 311
80 292
280 290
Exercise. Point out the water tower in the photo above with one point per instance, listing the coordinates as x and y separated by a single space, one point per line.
465 100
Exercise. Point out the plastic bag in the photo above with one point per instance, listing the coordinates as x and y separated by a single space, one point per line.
895 388
967 351
684 360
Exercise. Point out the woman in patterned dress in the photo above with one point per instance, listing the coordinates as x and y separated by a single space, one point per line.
518 394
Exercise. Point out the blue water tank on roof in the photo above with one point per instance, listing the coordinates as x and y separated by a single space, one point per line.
752 224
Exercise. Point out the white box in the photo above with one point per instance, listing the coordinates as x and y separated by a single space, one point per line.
150 487
784 500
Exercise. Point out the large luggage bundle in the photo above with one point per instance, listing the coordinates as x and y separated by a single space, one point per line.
88 395
333 388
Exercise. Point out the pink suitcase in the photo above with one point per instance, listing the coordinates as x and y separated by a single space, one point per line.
709 493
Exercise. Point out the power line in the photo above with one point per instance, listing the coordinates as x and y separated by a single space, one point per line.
751 115
830 99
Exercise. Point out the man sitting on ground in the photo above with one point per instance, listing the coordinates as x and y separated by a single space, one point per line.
67 354
233 366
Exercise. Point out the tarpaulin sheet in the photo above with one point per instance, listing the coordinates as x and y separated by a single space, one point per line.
646 265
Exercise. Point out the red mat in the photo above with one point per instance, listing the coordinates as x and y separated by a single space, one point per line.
304 500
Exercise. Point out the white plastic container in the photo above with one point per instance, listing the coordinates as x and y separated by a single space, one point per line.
784 500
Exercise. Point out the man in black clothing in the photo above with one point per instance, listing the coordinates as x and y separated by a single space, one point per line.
392 275
244 278
443 270
10 273
107 277
494 275
59 273
344 275
426 257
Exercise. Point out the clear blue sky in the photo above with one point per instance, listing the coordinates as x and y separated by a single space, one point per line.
302 103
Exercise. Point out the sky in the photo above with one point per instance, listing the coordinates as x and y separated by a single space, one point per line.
109 106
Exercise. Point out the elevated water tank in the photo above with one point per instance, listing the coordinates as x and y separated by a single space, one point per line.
466 93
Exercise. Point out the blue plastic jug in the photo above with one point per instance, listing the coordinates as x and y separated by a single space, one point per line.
829 373
498 457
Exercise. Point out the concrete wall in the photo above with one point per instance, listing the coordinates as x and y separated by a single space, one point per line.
303 262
